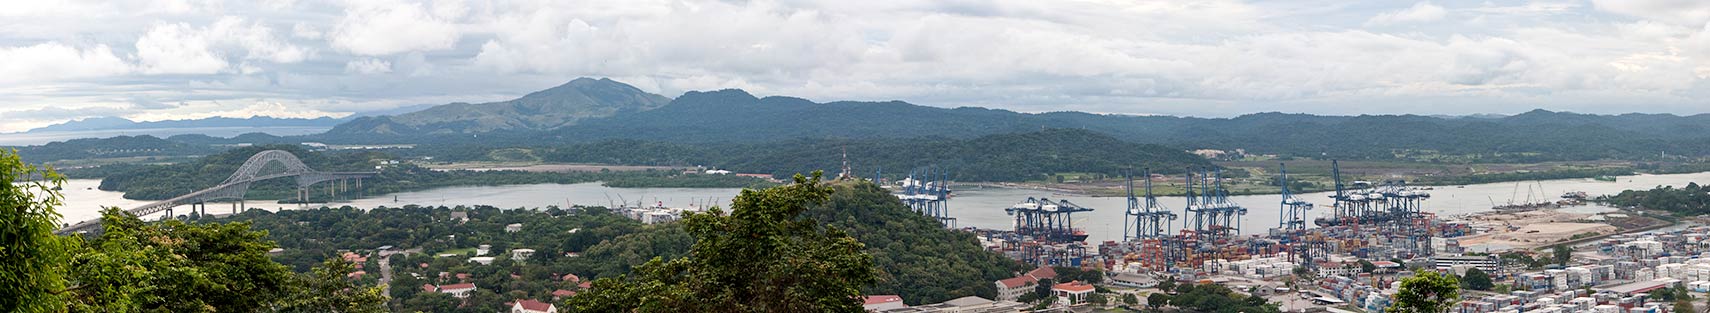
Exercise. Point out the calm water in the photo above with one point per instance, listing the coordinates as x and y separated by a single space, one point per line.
972 207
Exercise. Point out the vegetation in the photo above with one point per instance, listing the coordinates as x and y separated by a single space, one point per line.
1213 298
132 266
915 256
1001 157
1476 280
157 182
121 146
1690 200
34 276
1426 292
760 258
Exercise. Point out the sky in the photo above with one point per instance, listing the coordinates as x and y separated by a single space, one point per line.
152 60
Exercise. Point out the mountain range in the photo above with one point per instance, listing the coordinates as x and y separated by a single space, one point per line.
590 110
565 105
116 123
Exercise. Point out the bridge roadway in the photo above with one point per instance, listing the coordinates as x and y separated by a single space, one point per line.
234 187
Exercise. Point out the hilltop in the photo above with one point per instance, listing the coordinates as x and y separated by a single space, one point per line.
564 105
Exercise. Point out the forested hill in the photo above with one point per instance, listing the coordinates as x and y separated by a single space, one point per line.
734 116
917 258
568 104
1001 157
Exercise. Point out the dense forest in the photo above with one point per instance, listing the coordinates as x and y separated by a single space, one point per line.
915 256
134 266
115 147
1003 157
735 116
156 182
1691 200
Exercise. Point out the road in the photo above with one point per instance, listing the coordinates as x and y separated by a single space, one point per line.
386 268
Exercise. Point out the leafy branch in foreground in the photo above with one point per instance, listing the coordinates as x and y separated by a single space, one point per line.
762 257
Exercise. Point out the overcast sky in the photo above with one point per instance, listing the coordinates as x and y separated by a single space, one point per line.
178 59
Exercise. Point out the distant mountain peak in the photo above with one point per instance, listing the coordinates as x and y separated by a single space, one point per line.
563 105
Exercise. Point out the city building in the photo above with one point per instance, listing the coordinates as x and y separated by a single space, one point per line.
1072 293
532 306
1488 263
880 303
458 290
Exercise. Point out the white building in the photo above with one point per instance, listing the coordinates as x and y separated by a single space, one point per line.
483 260
521 254
513 228
458 290
531 306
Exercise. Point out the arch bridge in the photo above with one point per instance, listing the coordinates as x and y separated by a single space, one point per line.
234 187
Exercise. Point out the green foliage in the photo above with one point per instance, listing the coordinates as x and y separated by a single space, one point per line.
998 157
1130 299
917 258
1367 266
1157 300
1476 280
1691 200
1426 292
326 289
761 257
1562 254
32 277
1168 285
1090 276
156 182
1683 305
177 267
115 147
1218 298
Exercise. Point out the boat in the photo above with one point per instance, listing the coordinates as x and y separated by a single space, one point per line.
1078 235
1605 178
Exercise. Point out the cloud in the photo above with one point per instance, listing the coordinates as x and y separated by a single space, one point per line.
368 66
179 48
383 27
1681 12
1203 58
54 61
1419 12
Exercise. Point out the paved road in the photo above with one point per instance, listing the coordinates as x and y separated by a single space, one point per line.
386 269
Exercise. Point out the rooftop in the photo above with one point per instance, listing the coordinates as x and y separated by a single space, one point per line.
1074 286
877 299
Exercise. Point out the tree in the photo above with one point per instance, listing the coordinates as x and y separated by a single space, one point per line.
174 266
32 278
760 258
1130 299
1426 292
1562 254
1043 289
1367 266
1098 298
1683 305
1157 300
327 289
1476 280
1168 285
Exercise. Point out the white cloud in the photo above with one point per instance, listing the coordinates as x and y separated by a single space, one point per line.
53 61
368 66
179 48
1419 12
1692 13
1209 57
383 27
